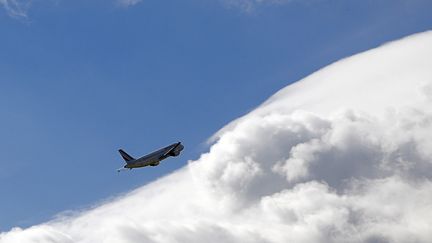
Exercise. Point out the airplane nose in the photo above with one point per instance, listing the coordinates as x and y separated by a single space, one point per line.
181 147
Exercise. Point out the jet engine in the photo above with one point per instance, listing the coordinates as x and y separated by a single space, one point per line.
177 150
175 153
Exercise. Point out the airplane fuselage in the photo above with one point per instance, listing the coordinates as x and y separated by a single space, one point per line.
154 158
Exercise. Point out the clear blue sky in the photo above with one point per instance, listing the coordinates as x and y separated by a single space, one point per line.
80 79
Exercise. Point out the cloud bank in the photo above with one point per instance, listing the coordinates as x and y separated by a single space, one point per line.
344 155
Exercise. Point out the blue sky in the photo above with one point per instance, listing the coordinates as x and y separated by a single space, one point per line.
80 79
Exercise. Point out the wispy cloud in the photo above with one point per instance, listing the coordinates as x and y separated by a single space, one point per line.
16 8
19 8
343 155
251 5
128 3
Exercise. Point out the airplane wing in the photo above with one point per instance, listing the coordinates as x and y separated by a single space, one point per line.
172 149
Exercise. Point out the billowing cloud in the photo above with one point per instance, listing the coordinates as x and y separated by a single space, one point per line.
344 155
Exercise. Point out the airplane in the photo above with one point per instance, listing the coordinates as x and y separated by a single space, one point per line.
152 159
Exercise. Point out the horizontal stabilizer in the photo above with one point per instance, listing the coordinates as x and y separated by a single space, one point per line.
125 156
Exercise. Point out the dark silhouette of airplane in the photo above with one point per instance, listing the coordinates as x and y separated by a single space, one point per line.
152 159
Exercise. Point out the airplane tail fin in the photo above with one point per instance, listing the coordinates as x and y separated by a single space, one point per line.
125 156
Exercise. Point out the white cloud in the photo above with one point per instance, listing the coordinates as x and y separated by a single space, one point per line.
343 155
